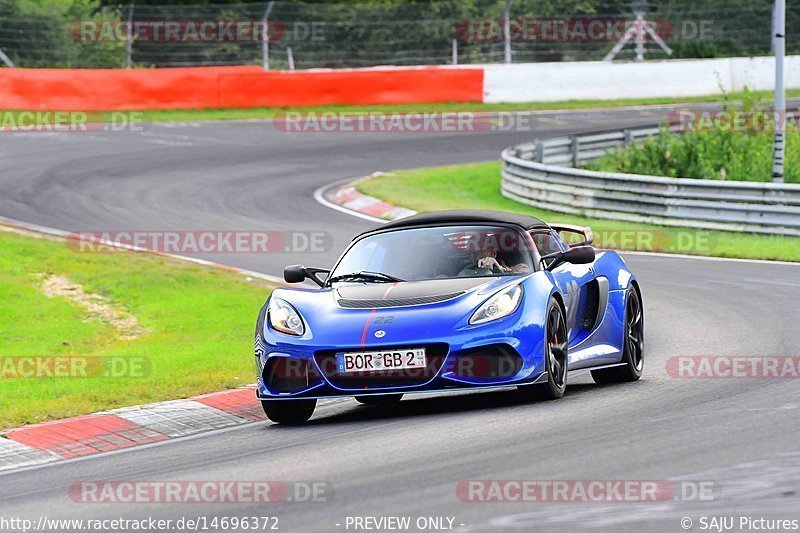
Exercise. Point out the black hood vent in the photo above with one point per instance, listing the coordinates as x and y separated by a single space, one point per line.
404 294
397 302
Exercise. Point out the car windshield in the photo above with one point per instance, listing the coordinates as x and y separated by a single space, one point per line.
436 253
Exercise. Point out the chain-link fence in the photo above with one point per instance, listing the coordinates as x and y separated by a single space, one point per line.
286 35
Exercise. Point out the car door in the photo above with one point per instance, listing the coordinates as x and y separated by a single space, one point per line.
571 280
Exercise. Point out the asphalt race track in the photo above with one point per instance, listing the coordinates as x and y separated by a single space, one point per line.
741 435
232 175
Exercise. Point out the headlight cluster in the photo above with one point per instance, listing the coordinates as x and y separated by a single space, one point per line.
498 306
284 318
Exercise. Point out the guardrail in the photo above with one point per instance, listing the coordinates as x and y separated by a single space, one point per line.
542 174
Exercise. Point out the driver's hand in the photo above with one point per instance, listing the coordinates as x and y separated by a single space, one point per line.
488 263
491 263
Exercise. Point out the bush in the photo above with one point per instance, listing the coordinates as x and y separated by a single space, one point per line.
711 149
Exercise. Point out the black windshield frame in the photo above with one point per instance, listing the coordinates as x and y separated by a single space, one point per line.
523 232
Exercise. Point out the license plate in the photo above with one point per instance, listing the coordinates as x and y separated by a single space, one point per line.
381 360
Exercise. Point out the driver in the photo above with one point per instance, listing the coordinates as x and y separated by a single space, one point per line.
486 264
487 259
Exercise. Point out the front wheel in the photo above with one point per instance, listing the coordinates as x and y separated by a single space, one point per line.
555 352
633 344
289 411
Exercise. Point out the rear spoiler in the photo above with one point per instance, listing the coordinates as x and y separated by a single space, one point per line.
585 231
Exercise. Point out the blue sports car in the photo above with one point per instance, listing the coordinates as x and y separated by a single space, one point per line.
448 301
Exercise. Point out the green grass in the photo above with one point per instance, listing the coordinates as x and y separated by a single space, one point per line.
186 115
477 186
200 319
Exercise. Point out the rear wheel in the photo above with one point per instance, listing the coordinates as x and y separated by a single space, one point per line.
379 399
555 357
289 411
633 344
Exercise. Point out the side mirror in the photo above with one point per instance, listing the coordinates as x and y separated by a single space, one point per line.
579 255
294 274
299 273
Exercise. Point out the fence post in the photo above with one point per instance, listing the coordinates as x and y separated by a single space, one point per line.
129 39
779 137
5 59
455 51
539 151
265 36
640 23
628 137
507 29
576 150
290 57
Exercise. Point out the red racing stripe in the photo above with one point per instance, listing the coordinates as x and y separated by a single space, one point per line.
369 318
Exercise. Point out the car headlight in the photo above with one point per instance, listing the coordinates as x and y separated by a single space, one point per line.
501 304
285 318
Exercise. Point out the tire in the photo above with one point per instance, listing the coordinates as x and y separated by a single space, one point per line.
633 344
379 399
289 411
555 357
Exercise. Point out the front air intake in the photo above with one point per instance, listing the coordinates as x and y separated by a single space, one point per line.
285 374
495 361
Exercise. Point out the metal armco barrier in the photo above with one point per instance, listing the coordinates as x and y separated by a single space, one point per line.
542 174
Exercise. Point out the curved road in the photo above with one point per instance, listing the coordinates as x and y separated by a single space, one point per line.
739 435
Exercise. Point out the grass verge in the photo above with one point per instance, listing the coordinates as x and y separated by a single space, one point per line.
199 324
186 115
477 186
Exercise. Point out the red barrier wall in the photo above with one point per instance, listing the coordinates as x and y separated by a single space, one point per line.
216 87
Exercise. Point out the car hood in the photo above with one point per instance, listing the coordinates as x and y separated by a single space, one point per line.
361 295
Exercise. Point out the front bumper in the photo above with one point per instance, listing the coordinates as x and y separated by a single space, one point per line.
303 371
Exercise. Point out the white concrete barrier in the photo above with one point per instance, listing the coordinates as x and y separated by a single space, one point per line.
600 80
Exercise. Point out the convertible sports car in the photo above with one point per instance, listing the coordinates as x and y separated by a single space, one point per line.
450 300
